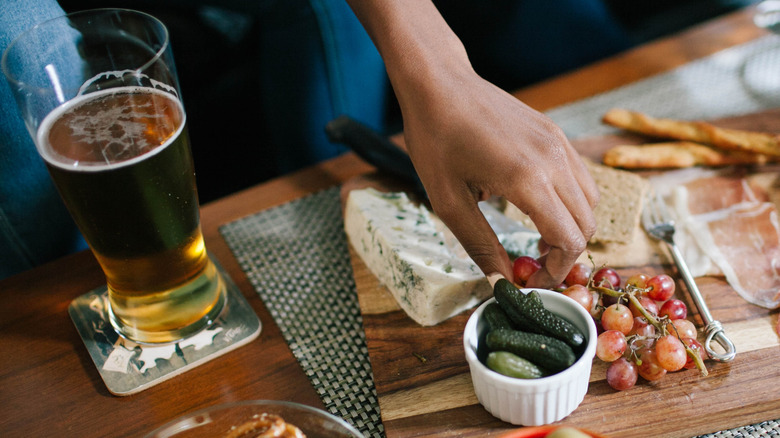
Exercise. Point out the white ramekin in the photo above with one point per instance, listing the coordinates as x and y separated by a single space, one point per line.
533 402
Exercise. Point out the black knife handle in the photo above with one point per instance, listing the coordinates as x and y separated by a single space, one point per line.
374 148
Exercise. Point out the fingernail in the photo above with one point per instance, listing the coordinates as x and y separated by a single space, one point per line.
493 278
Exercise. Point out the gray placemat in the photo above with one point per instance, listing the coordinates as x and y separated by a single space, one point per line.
296 255
739 80
297 259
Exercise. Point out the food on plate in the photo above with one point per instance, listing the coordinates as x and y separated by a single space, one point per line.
415 256
677 154
619 239
695 131
549 431
265 426
729 225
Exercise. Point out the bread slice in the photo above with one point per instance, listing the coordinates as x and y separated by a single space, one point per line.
619 209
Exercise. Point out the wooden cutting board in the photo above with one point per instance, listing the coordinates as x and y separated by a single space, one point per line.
424 387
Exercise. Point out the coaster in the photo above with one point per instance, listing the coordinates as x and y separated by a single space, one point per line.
127 367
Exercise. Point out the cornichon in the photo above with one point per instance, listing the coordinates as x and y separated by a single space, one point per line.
531 307
544 351
512 365
496 318
519 320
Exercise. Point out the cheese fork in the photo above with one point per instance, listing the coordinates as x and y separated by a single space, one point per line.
658 223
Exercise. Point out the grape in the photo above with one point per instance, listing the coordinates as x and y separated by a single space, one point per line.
697 348
581 295
670 353
622 374
579 274
638 281
524 267
674 309
650 369
608 300
611 345
595 309
682 328
634 344
607 277
642 328
617 317
661 287
647 303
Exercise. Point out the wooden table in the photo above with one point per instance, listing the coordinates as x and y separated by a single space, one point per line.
48 382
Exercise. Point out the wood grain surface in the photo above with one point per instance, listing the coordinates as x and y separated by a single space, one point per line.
424 388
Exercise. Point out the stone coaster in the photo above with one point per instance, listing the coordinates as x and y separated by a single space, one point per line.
127 367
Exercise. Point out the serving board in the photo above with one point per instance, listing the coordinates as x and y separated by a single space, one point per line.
424 387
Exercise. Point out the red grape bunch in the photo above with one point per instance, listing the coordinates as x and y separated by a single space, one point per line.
643 330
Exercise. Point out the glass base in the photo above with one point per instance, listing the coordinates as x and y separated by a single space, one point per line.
128 367
167 316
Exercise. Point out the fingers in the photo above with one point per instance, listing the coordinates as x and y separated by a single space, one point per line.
465 220
563 213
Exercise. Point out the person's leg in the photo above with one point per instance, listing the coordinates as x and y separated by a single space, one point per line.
35 227
317 63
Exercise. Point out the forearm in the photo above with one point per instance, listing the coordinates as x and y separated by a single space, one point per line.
417 45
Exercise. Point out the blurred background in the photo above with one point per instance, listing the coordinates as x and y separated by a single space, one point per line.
221 46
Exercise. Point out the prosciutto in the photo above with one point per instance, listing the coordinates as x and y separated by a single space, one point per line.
726 226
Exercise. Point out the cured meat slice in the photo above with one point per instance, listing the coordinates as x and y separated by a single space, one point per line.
745 244
717 193
726 226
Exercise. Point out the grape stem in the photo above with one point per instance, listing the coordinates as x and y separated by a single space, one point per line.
658 323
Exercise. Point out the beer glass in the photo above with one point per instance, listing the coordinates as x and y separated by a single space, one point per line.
99 94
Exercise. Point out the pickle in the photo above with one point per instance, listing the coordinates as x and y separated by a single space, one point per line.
512 365
496 318
530 307
544 351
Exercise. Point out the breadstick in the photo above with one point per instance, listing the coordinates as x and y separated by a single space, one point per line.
680 154
695 131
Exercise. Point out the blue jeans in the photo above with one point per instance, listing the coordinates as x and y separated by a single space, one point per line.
35 227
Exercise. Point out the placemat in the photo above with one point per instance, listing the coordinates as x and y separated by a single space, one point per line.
296 255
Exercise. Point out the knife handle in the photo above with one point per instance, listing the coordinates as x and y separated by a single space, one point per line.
373 148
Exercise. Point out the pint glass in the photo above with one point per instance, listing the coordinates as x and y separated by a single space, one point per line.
99 93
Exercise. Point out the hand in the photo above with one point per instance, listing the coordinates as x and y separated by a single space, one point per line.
470 140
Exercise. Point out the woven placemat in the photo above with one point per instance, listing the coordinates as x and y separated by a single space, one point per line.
297 259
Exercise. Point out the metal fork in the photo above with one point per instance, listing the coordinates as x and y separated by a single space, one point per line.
660 225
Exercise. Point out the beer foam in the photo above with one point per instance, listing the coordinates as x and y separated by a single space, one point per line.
124 140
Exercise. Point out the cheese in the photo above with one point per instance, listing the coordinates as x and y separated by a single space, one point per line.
413 255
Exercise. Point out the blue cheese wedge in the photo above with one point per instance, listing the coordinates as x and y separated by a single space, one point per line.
413 255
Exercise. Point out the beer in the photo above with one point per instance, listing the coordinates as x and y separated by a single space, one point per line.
121 161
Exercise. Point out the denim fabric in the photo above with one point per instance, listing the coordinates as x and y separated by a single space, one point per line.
35 227
327 66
